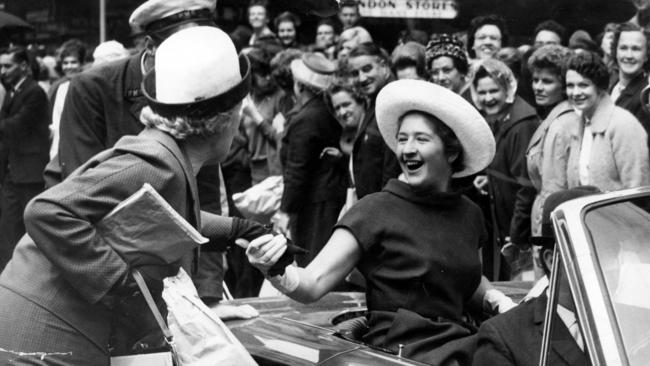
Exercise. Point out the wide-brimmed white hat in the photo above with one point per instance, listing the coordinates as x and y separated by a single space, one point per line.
402 96
314 70
197 74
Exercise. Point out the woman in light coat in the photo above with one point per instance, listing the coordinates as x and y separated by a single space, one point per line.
608 147
548 150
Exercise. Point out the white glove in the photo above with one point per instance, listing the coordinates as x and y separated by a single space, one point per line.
496 301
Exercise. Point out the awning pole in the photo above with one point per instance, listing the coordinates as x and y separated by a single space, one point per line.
102 21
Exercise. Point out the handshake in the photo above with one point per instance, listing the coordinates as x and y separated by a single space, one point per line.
251 230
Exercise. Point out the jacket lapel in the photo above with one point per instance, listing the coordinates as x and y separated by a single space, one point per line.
563 345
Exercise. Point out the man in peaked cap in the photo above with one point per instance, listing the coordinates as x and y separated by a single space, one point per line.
104 103
515 337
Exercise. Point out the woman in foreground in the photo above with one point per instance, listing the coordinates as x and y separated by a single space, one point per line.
416 242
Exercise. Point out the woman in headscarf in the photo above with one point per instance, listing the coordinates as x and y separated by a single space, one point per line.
513 122
609 147
416 242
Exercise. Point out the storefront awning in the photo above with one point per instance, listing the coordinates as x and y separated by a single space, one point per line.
429 9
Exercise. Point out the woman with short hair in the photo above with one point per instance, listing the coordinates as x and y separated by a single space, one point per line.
548 151
630 48
487 34
416 242
609 147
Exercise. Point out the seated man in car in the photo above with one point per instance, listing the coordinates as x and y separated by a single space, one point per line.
515 337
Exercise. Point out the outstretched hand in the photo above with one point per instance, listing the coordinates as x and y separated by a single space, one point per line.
265 251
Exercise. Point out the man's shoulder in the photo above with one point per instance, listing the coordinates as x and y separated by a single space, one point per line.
520 316
111 72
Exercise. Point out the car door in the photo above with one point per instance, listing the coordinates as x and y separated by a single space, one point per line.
602 261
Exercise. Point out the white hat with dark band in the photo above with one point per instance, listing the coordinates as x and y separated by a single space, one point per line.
197 74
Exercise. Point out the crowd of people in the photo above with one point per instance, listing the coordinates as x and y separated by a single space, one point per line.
425 170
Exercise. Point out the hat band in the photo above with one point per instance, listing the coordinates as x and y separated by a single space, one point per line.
204 108
182 17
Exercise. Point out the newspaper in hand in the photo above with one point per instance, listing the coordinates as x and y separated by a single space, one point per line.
145 229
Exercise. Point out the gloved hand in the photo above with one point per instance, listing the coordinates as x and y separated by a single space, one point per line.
496 302
250 230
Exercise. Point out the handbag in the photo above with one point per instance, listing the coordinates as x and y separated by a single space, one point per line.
168 358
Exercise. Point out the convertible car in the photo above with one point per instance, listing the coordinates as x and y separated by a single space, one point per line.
603 252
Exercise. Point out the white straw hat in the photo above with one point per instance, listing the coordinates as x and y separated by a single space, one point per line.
314 70
471 129
197 74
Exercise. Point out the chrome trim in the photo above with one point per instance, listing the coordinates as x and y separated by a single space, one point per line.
593 306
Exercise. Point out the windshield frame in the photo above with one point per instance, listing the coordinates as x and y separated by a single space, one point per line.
594 307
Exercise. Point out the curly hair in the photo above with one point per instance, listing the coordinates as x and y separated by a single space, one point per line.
589 65
280 67
182 127
343 85
478 22
551 57
630 27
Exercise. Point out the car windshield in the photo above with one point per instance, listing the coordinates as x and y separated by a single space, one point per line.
620 235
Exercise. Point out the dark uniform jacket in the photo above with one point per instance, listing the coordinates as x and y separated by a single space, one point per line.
373 163
24 133
515 338
511 190
102 105
308 178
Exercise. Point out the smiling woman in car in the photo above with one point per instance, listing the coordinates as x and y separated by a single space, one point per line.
416 242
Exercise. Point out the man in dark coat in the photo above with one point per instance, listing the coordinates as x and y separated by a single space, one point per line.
314 182
104 103
515 337
373 164
24 136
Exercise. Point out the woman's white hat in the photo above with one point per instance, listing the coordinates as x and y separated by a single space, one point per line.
197 74
402 96
313 70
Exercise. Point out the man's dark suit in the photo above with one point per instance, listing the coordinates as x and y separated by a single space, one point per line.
314 185
24 132
373 163
515 338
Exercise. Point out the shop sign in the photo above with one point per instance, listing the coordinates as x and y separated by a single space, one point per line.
430 9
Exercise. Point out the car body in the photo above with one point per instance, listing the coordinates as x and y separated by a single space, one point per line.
603 252
291 333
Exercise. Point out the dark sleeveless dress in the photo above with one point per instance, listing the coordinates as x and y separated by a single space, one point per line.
421 263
